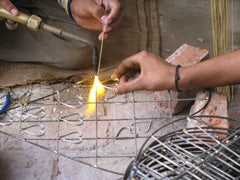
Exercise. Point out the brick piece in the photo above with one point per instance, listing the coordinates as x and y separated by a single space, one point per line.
185 56
216 107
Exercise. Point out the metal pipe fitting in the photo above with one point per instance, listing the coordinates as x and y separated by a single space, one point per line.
11 25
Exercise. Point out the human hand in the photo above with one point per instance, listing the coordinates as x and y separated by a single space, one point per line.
6 4
100 15
155 74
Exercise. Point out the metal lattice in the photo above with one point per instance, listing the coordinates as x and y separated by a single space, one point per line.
203 152
53 118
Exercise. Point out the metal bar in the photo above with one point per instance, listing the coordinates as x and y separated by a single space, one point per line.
219 172
134 121
184 160
150 171
58 119
92 120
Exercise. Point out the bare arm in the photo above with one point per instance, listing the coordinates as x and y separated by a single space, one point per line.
219 71
157 74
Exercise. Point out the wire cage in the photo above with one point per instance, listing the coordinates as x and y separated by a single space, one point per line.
202 152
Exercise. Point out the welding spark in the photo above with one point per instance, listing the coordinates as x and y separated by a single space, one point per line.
96 91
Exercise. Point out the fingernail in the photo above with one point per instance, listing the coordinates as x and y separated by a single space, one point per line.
103 18
98 3
14 12
100 37
115 90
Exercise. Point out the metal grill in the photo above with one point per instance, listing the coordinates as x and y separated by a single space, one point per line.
203 152
53 118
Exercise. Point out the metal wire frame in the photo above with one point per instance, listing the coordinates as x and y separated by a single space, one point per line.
194 153
36 120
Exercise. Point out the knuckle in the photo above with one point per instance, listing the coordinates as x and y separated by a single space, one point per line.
121 90
98 12
124 63
144 53
118 5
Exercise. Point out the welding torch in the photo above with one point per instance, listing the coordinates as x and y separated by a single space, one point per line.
35 23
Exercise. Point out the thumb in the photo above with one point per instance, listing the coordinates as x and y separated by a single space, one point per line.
6 4
127 87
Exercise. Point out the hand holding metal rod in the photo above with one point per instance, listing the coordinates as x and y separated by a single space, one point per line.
35 23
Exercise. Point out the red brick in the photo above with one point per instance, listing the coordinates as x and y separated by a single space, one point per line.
216 107
185 56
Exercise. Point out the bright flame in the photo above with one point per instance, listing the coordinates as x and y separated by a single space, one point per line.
96 91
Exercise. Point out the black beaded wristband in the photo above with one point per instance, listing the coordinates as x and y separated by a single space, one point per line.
177 78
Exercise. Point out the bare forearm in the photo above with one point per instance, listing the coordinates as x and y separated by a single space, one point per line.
221 70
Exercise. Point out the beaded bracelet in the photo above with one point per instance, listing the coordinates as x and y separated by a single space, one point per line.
177 78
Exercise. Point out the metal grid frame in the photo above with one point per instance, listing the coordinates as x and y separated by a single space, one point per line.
135 133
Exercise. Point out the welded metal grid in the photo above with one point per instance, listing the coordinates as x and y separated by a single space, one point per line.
53 118
202 152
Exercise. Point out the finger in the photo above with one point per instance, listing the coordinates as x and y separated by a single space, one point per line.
114 29
93 24
105 35
99 2
127 65
106 29
117 24
98 12
115 11
127 87
6 4
124 78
